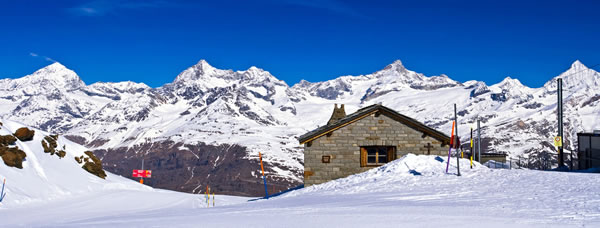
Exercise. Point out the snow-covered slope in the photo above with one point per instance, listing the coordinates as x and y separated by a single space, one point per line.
413 191
53 190
45 177
209 118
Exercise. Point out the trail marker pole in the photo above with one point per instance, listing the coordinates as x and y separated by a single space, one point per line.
2 194
263 174
207 196
456 142
451 145
478 141
142 178
472 154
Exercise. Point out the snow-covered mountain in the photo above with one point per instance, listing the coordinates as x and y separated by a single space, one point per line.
208 125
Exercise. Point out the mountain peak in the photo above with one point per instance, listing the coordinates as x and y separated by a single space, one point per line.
59 74
396 65
577 65
578 76
511 81
253 68
204 64
56 65
200 69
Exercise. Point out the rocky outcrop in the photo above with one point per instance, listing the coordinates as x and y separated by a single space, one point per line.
49 144
12 156
24 134
94 166
6 140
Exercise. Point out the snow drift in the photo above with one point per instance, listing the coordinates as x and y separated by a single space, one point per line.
393 175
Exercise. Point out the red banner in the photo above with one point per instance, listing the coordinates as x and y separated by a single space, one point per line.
142 173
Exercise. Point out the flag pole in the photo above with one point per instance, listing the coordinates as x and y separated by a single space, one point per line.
472 154
456 142
449 149
263 174
142 177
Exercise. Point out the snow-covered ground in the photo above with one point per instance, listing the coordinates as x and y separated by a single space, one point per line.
413 191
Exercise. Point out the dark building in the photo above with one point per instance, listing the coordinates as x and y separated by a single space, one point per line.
588 150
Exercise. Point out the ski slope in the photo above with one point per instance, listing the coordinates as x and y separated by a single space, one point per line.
51 190
413 191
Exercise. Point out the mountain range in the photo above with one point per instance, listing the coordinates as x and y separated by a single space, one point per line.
208 126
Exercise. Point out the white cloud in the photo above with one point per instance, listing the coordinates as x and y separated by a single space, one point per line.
35 55
102 7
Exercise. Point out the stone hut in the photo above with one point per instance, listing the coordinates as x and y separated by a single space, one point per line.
370 137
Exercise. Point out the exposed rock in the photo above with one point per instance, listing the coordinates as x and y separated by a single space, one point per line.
6 140
94 167
49 144
499 96
533 105
12 157
61 153
591 100
77 139
478 89
24 134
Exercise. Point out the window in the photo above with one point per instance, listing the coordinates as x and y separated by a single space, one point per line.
376 155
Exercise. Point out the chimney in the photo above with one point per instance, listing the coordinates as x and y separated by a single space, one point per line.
338 113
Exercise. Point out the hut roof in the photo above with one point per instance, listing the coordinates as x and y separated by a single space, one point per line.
366 111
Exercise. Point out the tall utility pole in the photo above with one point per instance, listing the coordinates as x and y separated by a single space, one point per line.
456 142
142 178
561 161
478 141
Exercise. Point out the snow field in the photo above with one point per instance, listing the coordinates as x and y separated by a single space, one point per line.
413 191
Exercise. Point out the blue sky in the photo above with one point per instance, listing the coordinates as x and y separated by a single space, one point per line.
316 40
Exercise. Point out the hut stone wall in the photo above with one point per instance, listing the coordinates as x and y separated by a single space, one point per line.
343 147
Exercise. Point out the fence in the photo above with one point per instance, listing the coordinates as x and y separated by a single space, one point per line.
512 163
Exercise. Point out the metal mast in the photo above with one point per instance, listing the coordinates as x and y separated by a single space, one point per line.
561 161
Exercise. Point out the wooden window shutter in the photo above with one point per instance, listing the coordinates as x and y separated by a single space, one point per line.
391 153
363 157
